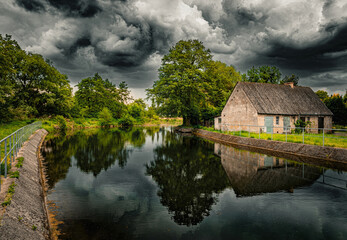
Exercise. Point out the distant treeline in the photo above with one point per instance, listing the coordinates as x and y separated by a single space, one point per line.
191 85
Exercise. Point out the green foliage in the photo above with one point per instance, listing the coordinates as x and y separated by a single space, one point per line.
94 94
105 117
14 174
34 228
126 121
137 110
263 74
8 199
293 78
322 94
2 166
190 84
338 108
61 123
20 161
29 85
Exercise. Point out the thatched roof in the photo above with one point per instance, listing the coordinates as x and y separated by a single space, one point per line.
283 99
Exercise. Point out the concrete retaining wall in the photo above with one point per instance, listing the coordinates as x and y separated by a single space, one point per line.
27 209
294 151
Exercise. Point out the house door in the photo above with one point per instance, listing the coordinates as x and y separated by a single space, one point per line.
269 123
321 122
286 124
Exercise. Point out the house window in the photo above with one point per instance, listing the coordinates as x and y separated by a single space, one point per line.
219 120
277 120
308 119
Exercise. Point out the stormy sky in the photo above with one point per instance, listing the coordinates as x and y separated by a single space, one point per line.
124 40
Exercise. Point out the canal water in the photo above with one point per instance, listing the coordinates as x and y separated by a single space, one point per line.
151 183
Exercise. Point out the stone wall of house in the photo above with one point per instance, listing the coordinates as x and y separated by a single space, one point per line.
238 111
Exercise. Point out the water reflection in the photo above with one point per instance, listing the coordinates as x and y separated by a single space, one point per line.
254 173
150 183
189 177
95 150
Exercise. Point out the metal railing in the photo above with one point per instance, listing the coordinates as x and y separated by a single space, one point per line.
10 145
286 132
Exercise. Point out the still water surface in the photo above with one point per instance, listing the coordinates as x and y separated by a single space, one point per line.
151 183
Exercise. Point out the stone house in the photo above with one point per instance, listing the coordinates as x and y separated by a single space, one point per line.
272 108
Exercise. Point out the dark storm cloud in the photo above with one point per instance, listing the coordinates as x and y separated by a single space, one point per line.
82 8
319 57
126 39
31 5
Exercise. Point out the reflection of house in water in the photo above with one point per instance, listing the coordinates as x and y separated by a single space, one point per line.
254 173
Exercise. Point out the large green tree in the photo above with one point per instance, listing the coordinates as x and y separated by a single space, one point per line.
191 84
39 85
95 93
29 85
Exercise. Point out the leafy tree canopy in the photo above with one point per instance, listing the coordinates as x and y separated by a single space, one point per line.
189 82
322 94
94 94
30 85
263 74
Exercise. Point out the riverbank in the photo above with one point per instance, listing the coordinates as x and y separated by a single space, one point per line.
25 216
329 156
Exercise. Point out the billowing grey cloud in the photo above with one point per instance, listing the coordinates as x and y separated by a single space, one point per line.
125 39
31 5
82 8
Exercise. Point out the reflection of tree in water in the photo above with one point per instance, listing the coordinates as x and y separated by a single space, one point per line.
101 150
189 176
95 150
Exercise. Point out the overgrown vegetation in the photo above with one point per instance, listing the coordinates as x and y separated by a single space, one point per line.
20 161
10 193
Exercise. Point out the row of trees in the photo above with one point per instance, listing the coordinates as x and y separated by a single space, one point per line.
191 85
31 86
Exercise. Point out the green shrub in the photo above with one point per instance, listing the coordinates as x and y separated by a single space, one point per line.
126 121
20 162
14 175
61 123
105 117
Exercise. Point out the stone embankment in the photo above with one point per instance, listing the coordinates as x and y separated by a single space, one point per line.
26 217
302 152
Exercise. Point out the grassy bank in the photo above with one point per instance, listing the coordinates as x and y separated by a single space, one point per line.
330 140
8 128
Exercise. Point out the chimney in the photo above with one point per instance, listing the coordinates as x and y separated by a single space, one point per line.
291 84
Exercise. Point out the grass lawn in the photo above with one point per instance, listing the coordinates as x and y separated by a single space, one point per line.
330 140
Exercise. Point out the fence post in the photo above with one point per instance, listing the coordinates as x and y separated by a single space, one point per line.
323 137
286 130
259 132
240 129
303 135
249 133
272 133
5 159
